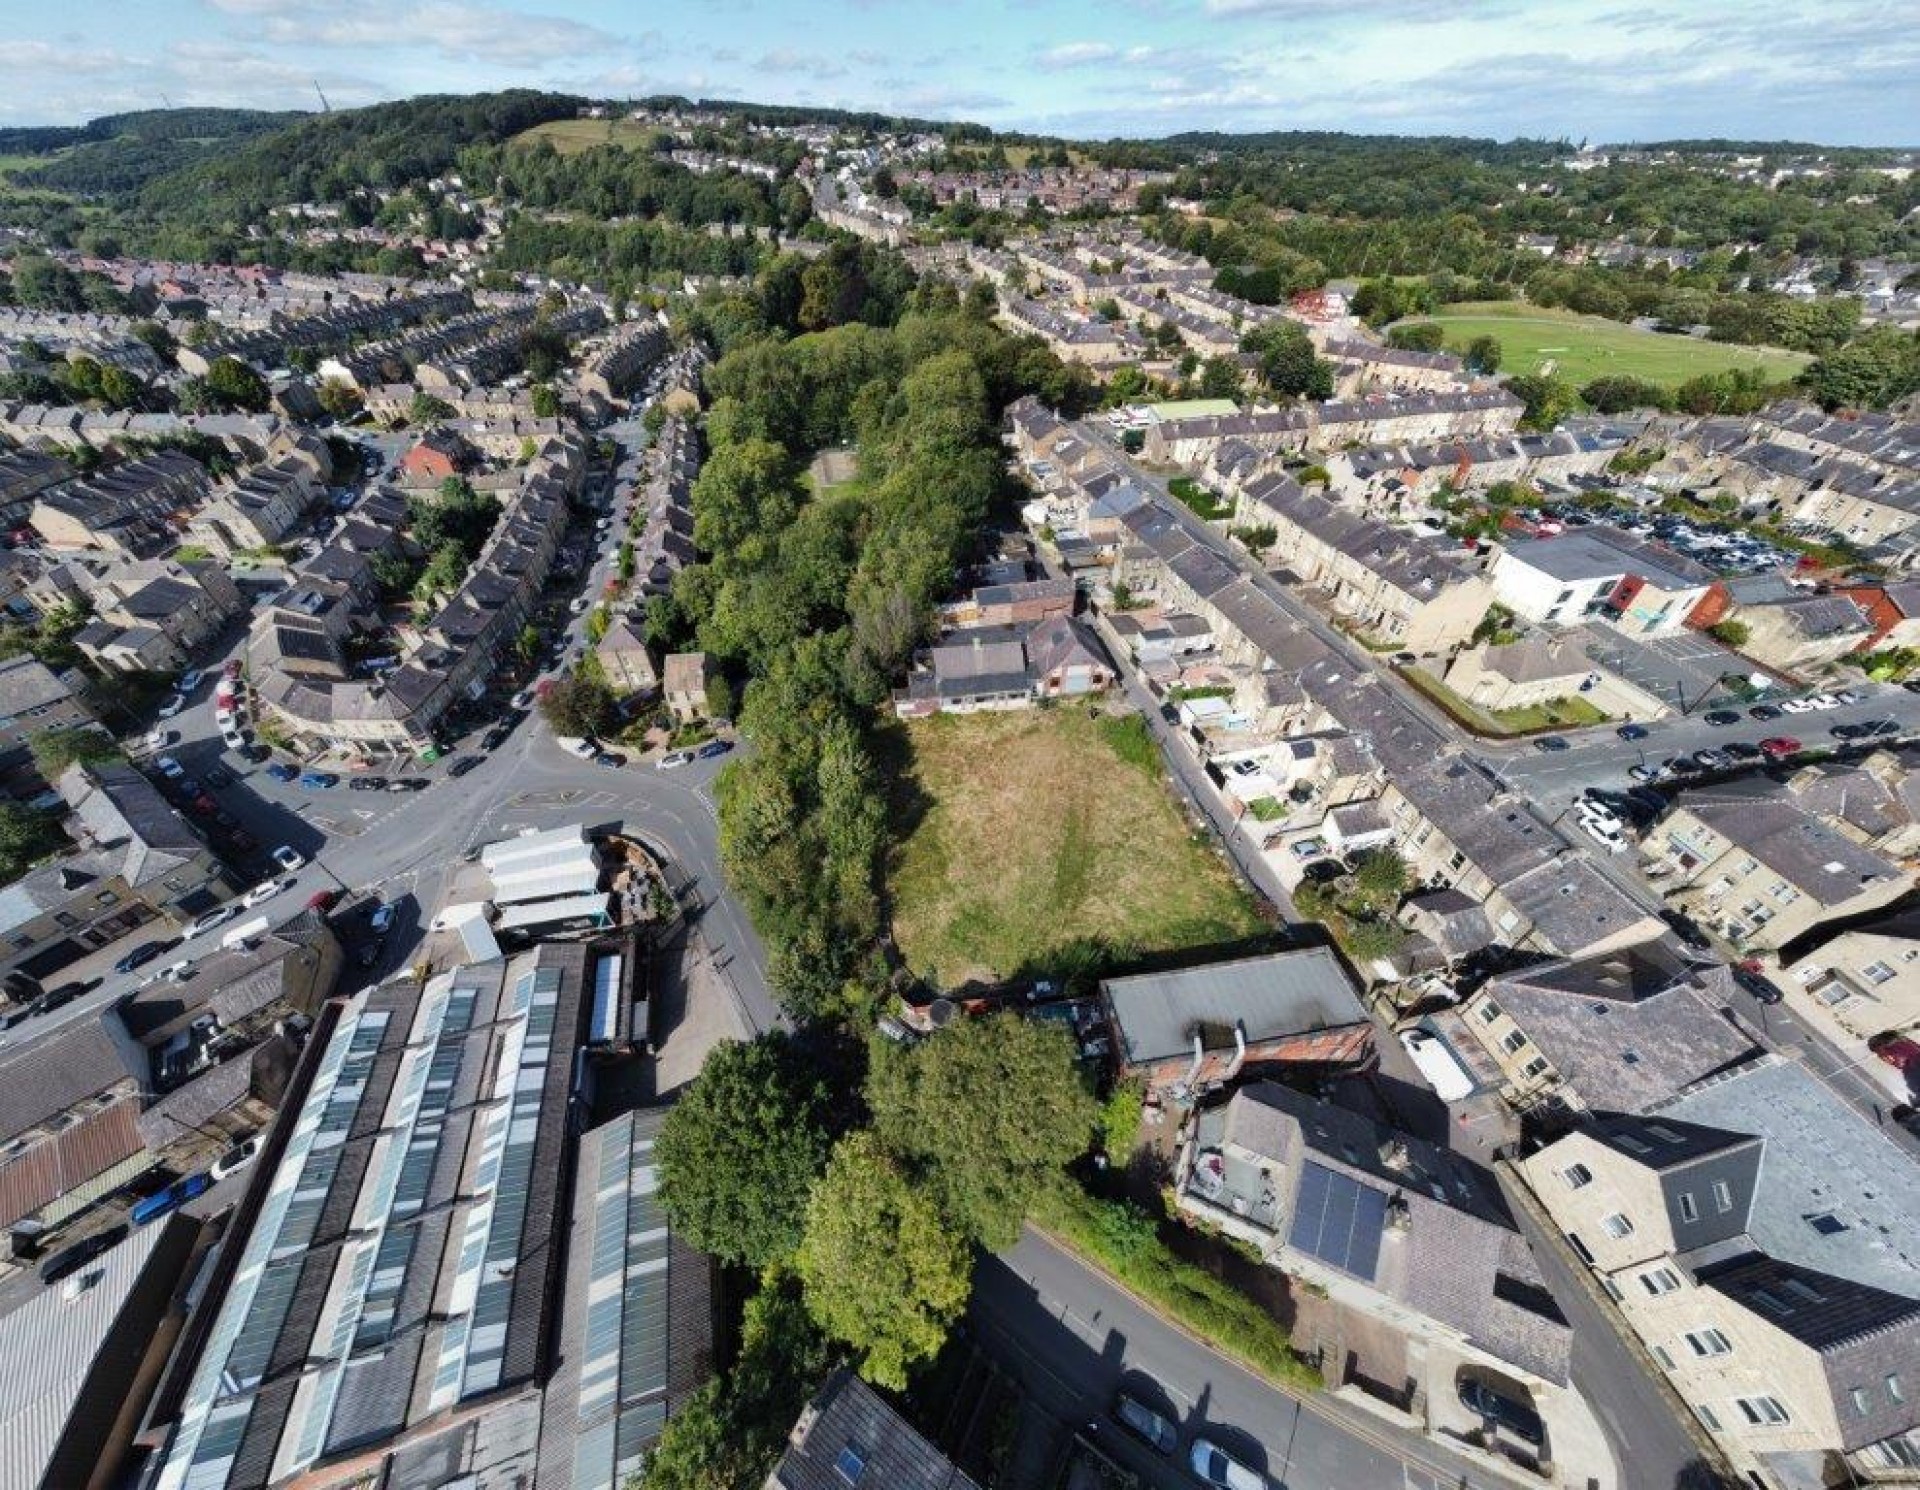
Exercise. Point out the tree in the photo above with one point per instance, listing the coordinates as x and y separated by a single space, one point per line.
578 704
987 1110
426 409
444 570
1382 879
880 1266
526 645
1483 355
1731 633
545 401
742 1148
1288 364
56 749
26 837
231 384
1616 395
720 703
1548 399
1219 378
1417 336
340 398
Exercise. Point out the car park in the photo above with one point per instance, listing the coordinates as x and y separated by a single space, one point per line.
280 771
1213 1465
287 858
1550 743
1780 746
1150 1427
1721 718
261 893
1632 732
1498 1408
238 1157
319 781
367 784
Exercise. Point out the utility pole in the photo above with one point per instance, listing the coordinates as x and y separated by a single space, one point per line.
325 107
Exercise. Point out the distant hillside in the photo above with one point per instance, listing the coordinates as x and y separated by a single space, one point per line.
1330 144
119 153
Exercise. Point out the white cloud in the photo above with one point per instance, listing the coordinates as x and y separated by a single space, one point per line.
457 32
1079 54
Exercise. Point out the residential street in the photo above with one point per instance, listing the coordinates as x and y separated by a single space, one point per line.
1074 1338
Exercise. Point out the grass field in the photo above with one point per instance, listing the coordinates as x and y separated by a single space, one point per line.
1586 347
1043 829
571 136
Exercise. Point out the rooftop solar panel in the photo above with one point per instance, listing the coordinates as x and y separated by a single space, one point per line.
1339 1220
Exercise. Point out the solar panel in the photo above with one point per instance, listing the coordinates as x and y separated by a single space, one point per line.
1339 1220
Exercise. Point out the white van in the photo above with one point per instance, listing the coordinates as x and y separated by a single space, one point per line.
246 931
1437 1062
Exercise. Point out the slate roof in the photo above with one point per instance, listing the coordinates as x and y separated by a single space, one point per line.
1802 850
850 1423
1156 1014
26 683
1573 906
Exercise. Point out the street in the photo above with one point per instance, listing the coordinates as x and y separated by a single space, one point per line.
1074 1338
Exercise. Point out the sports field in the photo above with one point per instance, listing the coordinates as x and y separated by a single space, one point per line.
1582 348
571 136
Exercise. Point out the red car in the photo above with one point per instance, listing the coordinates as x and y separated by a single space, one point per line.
321 900
1781 745
1897 1051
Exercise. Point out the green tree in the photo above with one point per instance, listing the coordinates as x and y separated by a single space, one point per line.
426 409
340 398
1220 378
1382 878
1732 633
1484 355
444 571
578 704
1417 336
1616 395
880 1266
988 1110
526 645
231 384
26 837
56 749
742 1148
545 401
1288 363
1548 399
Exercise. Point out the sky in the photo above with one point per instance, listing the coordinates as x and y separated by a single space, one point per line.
1833 71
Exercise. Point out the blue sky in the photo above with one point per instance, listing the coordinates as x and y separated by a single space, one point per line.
1838 71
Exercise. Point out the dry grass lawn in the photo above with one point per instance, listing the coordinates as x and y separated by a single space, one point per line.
1036 835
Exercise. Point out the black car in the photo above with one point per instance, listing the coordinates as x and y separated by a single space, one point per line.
712 748
141 955
218 776
1761 988
1740 750
62 1264
367 784
258 754
465 764
409 784
1632 732
1516 1417
370 953
1874 729
1721 718
60 997
1150 1427
1550 743
494 738
1765 711
609 759
1848 731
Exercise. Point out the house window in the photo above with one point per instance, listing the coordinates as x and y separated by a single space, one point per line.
1489 1011
1688 1210
1616 1225
1893 1389
851 1463
1513 1042
1762 1412
1709 1342
1659 1281
1586 1252
1860 1405
1577 1175
1877 973
1612 1288
1660 1355
1705 1414
1534 1067
1722 1196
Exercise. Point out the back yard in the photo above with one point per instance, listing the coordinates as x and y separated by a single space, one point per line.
1042 829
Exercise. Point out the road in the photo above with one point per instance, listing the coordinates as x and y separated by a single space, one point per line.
1073 1338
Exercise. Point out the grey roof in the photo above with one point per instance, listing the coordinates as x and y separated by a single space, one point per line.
1157 1014
73 1357
850 1424
1802 850
118 809
26 683
1600 551
1627 1029
1573 906
41 1078
1457 1257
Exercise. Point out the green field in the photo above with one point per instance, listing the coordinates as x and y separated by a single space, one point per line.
1042 829
571 136
1583 348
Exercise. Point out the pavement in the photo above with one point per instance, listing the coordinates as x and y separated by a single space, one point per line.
1074 1338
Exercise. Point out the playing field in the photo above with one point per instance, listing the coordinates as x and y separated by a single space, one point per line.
1582 348
571 136
1037 833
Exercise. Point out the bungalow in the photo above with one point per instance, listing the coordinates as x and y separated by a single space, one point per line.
1004 667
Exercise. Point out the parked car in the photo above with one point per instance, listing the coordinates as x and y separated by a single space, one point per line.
1762 989
230 668
218 916
281 771
1145 1424
170 1199
523 699
1308 848
170 768
1799 706
1764 711
1721 718
370 953
65 1263
1848 696
465 764
1550 743
261 893
287 858
1516 1417
1710 759
319 781
160 739
1213 1465
190 680
254 753
382 916
1824 700
1780 746
672 759
1604 833
141 955
1632 732
611 759
218 776
322 900
238 1157
1848 731
1874 729
714 748
409 784
1644 773
174 704
367 784
1740 750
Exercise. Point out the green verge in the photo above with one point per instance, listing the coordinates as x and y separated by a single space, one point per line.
1122 1241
